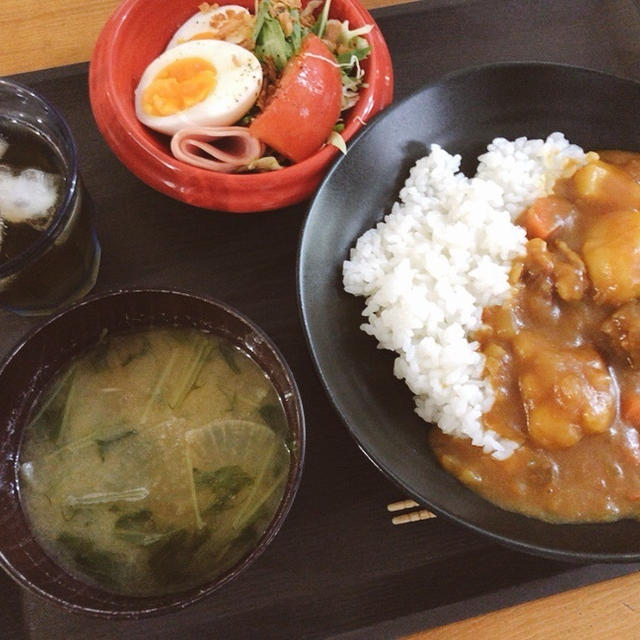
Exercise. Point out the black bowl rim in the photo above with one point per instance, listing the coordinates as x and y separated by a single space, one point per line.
526 547
160 605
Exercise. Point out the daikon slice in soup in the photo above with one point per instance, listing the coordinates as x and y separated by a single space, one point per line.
155 461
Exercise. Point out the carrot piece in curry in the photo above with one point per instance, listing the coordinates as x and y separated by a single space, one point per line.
630 407
545 215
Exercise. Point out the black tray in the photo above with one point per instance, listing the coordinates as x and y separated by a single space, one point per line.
338 567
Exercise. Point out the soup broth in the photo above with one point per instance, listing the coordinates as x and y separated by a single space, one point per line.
155 461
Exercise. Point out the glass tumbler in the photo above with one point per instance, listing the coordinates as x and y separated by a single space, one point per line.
48 261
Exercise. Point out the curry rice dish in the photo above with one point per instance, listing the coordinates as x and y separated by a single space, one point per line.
533 379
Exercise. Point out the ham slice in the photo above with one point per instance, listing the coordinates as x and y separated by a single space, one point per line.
222 149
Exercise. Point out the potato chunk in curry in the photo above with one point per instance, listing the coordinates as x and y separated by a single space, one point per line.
606 187
611 251
566 392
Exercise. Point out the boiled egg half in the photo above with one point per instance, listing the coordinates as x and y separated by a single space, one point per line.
198 83
231 22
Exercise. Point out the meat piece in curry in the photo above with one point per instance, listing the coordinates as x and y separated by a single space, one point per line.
563 356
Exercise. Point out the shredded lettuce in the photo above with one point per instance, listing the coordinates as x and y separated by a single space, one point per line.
352 76
350 49
266 163
347 35
352 81
360 53
321 23
337 141
297 30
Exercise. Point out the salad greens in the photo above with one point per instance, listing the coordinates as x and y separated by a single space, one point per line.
271 42
281 25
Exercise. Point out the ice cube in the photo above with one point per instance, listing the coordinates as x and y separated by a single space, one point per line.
28 196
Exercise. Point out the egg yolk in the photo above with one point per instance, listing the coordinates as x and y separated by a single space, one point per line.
179 86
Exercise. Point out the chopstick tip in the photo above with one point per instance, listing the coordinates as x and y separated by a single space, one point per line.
402 504
414 516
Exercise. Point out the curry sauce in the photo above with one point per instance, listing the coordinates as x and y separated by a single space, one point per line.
563 356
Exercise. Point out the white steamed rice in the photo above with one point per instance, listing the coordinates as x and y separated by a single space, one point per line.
441 255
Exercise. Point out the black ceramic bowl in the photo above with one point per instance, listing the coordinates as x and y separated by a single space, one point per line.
462 112
29 368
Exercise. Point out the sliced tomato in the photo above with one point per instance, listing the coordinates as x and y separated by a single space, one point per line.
305 105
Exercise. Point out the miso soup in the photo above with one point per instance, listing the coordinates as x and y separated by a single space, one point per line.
155 461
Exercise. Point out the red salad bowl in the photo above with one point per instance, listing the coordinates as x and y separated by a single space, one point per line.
136 33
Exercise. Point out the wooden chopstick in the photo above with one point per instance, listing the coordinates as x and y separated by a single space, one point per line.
402 505
413 516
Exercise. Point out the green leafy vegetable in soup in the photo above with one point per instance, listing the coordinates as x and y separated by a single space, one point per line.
155 461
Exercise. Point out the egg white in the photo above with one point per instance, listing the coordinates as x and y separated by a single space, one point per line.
238 83
199 23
